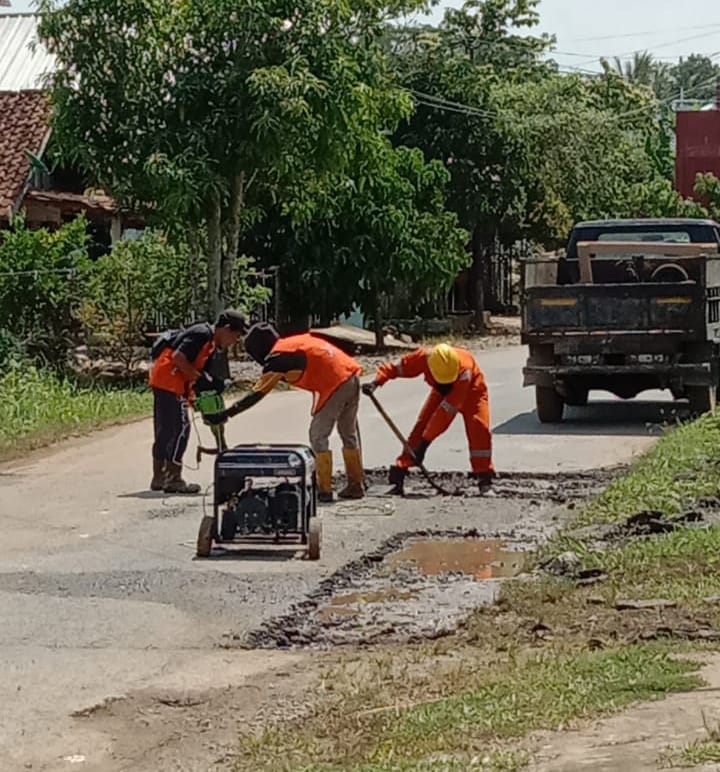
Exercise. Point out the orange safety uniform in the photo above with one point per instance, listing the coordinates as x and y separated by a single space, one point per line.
307 362
165 374
468 395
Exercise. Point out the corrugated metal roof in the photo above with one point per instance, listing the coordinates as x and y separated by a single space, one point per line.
22 64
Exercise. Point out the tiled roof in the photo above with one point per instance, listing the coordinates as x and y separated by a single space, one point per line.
24 126
73 200
24 61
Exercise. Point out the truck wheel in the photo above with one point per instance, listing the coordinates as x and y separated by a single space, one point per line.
702 399
549 405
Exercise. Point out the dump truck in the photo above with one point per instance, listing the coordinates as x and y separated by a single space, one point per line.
632 305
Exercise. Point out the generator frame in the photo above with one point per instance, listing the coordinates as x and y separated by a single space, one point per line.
283 462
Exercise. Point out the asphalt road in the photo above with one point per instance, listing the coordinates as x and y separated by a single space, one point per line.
100 596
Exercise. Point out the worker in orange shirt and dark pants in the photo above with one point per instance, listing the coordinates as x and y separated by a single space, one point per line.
311 363
458 386
180 365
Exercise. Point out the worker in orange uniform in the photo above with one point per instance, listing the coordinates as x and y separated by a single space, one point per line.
178 368
311 363
458 386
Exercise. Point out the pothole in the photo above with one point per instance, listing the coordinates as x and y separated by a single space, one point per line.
533 486
477 558
420 587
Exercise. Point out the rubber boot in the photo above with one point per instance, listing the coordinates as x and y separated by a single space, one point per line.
174 482
396 478
483 479
355 488
324 476
159 473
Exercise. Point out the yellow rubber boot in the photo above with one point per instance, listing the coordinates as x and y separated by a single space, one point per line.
355 488
324 476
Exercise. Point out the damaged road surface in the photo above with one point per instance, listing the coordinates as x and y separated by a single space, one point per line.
120 651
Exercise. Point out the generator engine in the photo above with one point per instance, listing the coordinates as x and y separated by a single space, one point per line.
264 491
273 510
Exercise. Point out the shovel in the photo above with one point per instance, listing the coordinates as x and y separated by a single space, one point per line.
409 450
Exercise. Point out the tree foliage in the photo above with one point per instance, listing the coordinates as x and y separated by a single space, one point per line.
693 79
377 235
199 112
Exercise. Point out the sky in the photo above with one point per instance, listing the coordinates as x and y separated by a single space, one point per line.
667 28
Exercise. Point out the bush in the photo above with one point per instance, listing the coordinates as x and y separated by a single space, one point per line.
43 276
141 285
151 284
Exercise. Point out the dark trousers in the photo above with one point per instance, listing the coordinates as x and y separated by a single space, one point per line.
172 426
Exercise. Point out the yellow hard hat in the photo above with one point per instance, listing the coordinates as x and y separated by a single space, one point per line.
444 363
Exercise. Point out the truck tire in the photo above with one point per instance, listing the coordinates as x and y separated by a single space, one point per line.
702 399
549 405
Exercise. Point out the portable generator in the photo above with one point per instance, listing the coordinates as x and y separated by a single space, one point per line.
263 494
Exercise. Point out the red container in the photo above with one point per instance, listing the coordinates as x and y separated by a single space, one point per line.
698 148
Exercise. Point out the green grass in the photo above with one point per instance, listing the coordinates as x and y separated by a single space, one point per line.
496 705
701 752
470 700
696 753
682 566
38 407
682 467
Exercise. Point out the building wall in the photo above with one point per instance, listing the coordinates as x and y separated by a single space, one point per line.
698 148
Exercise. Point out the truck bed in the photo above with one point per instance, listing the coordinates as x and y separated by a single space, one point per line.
647 308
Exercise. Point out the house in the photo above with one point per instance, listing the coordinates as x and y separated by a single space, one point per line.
46 198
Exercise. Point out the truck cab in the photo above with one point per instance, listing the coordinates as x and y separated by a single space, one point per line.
632 305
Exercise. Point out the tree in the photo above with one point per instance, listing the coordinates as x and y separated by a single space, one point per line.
696 78
452 71
377 233
199 112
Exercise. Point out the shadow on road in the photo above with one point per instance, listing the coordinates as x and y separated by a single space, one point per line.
147 495
240 552
629 419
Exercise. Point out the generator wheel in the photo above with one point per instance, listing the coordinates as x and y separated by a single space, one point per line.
205 537
314 539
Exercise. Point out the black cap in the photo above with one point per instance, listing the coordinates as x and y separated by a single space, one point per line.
233 319
260 340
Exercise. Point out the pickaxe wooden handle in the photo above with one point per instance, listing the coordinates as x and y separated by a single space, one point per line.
406 446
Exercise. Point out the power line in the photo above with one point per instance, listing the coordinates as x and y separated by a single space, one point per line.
647 50
640 33
447 105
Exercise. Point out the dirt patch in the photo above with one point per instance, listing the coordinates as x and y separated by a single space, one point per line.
535 487
414 587
189 730
543 612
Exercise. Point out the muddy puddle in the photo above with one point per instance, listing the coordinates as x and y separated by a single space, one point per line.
472 557
421 588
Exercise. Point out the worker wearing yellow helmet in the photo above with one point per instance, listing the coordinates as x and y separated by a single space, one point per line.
458 386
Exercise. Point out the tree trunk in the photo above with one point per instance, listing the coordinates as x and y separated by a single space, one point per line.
232 236
214 259
195 311
476 288
378 324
